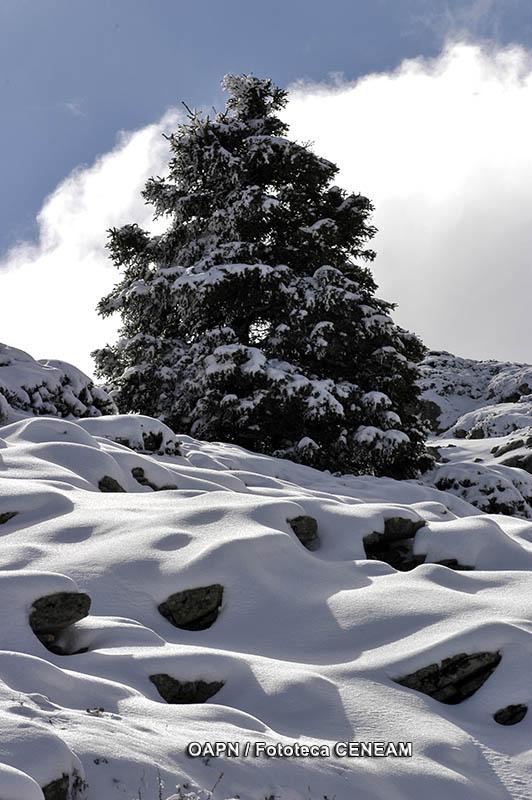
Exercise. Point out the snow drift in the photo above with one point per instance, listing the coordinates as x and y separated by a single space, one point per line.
295 645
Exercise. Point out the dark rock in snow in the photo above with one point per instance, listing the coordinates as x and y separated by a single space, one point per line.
152 441
194 609
6 516
140 477
174 691
58 789
510 715
506 448
54 613
306 530
523 461
395 545
108 484
454 679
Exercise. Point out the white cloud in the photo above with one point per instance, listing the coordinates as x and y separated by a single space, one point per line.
74 106
442 147
50 290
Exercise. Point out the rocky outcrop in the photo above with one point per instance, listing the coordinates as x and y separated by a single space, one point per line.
140 477
521 460
193 609
108 484
510 715
395 545
54 613
174 691
454 679
58 789
7 515
306 530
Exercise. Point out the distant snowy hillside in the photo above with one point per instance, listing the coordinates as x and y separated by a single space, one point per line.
453 387
487 406
210 594
29 387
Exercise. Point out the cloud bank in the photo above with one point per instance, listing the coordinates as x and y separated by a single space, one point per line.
442 147
50 289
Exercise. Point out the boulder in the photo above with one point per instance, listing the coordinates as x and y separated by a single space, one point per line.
395 545
58 789
193 609
140 477
306 530
454 679
523 461
108 484
174 691
54 613
510 715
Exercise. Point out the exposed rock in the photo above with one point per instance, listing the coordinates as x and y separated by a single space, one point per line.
54 613
140 477
194 609
454 679
306 530
510 715
7 515
523 461
174 691
434 452
58 789
395 545
506 448
152 441
108 484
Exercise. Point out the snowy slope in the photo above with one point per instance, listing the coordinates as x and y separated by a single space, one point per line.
453 387
307 643
482 414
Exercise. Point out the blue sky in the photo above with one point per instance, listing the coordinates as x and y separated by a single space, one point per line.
74 72
422 103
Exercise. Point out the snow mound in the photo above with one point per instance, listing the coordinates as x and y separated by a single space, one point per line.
145 434
452 386
295 646
29 387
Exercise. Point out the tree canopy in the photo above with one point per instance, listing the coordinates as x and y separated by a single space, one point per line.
251 319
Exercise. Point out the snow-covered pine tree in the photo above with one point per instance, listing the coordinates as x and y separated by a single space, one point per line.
249 320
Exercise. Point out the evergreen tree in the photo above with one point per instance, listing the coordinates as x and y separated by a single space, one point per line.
249 320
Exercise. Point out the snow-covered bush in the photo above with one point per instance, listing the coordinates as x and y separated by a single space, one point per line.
29 387
495 489
249 320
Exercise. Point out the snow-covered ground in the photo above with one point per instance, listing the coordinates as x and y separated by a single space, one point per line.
279 644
